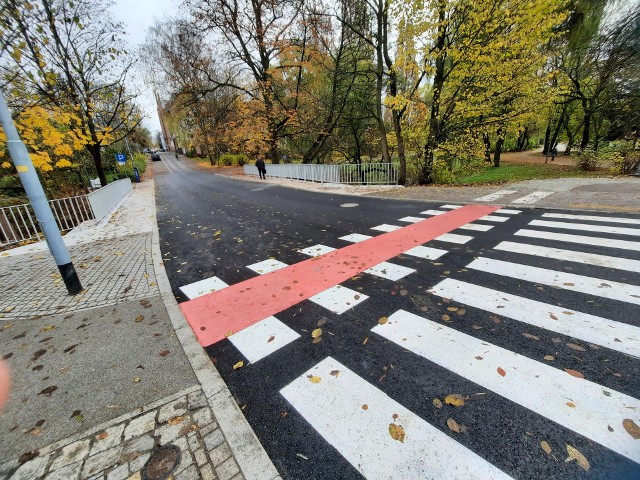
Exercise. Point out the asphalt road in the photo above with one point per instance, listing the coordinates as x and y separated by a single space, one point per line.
532 327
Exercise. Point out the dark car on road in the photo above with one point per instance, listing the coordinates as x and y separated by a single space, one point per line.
155 157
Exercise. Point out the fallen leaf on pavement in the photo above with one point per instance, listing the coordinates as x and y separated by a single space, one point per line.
454 399
164 353
102 436
549 358
580 459
335 373
501 371
574 373
136 379
238 365
437 403
545 446
577 347
47 328
314 379
453 425
383 320
48 391
175 420
632 428
396 432
316 333
139 318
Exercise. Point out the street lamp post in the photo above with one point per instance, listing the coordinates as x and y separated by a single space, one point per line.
35 193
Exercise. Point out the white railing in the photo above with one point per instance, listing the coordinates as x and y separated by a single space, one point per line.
348 173
18 223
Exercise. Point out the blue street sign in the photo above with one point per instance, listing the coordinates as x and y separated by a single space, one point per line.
121 158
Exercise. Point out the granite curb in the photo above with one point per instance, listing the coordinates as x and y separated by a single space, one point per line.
252 459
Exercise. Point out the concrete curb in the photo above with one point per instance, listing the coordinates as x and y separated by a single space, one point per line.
252 459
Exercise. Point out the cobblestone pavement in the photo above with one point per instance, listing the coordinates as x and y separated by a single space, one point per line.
120 449
111 271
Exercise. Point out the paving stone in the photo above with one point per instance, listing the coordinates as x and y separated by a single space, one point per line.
214 439
194 443
119 473
32 469
113 437
135 476
174 409
207 429
140 444
220 454
227 469
168 433
206 473
71 453
138 462
101 461
190 473
142 424
197 400
200 456
202 417
240 477
69 472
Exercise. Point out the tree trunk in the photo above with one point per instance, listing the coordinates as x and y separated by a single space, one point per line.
487 147
499 143
585 127
94 150
547 138
397 128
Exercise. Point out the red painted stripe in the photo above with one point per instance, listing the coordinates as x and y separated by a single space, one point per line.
215 315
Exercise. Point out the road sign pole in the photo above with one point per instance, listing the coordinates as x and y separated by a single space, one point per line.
35 193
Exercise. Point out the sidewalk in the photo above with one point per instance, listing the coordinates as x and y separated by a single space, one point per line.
103 381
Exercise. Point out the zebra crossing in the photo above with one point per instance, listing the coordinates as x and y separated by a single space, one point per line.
527 199
456 332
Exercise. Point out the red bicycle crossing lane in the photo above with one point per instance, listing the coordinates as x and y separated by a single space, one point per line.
219 314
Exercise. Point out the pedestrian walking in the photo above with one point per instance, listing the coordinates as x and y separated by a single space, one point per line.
554 152
262 169
176 155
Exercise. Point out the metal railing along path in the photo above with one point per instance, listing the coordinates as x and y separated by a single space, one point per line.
18 223
347 173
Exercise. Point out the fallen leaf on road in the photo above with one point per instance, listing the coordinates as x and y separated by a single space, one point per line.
47 328
575 346
164 353
175 420
102 436
570 405
48 391
382 320
453 425
632 428
446 317
501 371
531 336
549 358
8 309
396 432
580 459
437 403
139 318
454 399
461 311
316 333
574 373
452 309
238 365
365 407
136 379
364 342
314 379
545 447
335 373
271 338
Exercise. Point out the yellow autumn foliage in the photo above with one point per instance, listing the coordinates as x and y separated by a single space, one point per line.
51 135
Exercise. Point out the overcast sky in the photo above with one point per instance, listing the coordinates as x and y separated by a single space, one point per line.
137 16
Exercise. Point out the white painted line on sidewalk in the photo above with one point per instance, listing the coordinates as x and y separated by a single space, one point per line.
263 338
390 271
385 227
316 250
586 227
495 196
354 417
617 336
356 237
454 238
577 404
203 287
593 218
338 299
568 281
266 266
571 256
580 239
532 197
428 253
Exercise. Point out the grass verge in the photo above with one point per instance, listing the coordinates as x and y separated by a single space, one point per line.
516 173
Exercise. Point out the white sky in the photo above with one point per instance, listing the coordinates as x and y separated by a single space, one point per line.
137 16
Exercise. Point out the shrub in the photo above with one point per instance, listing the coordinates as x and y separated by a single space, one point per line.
240 159
441 173
589 159
226 159
628 160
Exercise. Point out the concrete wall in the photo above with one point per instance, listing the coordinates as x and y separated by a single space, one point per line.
105 198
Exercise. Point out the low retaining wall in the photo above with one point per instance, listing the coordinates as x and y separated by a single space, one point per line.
105 198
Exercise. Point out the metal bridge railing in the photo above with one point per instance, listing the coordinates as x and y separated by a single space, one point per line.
18 223
349 173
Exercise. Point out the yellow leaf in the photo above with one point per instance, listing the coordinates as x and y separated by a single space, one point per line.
454 399
545 446
446 317
314 379
437 403
570 405
632 428
580 459
453 425
136 379
47 328
238 365
8 309
316 333
453 309
139 318
175 420
383 320
396 432
549 358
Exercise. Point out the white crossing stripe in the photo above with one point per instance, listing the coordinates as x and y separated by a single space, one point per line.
411 219
532 197
263 338
432 212
335 408
454 238
390 271
586 227
203 287
385 227
266 266
494 218
502 210
426 252
495 195
469 226
571 256
316 250
593 218
577 404
568 281
580 239
338 299
588 328
356 237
